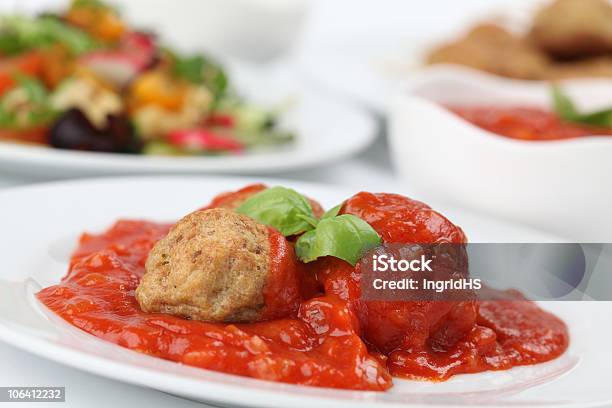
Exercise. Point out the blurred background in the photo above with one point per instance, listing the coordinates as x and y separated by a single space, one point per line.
373 58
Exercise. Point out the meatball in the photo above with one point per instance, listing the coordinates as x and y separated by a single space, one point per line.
219 266
400 219
574 28
391 325
233 199
411 324
491 48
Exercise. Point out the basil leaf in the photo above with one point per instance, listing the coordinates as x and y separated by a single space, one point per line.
566 109
332 212
282 208
601 118
345 236
563 105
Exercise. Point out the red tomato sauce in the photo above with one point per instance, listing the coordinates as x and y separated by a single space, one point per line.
525 123
284 284
335 339
317 347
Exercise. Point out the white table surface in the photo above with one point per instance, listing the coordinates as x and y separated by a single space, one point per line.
369 171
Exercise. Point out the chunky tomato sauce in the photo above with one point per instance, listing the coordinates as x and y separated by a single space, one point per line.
335 339
525 123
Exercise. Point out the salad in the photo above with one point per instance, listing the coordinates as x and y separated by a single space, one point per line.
84 80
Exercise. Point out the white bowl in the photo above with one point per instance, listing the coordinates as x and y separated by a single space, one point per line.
248 29
562 186
255 30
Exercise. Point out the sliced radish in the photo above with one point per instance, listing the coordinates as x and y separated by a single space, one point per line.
140 45
114 66
142 42
221 120
119 66
205 140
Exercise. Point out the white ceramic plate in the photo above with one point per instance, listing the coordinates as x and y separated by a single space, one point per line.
40 225
326 129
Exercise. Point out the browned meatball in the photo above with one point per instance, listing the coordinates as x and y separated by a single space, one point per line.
491 48
574 28
219 266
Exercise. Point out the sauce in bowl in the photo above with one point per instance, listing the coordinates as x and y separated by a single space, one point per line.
525 123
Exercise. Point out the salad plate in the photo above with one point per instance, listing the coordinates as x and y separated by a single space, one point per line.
327 130
40 252
84 91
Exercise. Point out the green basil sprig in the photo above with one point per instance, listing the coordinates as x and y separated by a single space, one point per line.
342 236
566 109
332 212
282 208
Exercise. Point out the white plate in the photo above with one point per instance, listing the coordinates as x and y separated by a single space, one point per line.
326 129
39 227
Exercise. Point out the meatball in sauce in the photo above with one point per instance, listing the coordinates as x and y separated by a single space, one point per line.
217 290
219 266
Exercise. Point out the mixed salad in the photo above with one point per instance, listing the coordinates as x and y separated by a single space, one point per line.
84 80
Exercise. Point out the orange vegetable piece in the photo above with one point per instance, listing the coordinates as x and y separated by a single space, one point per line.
102 23
158 88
